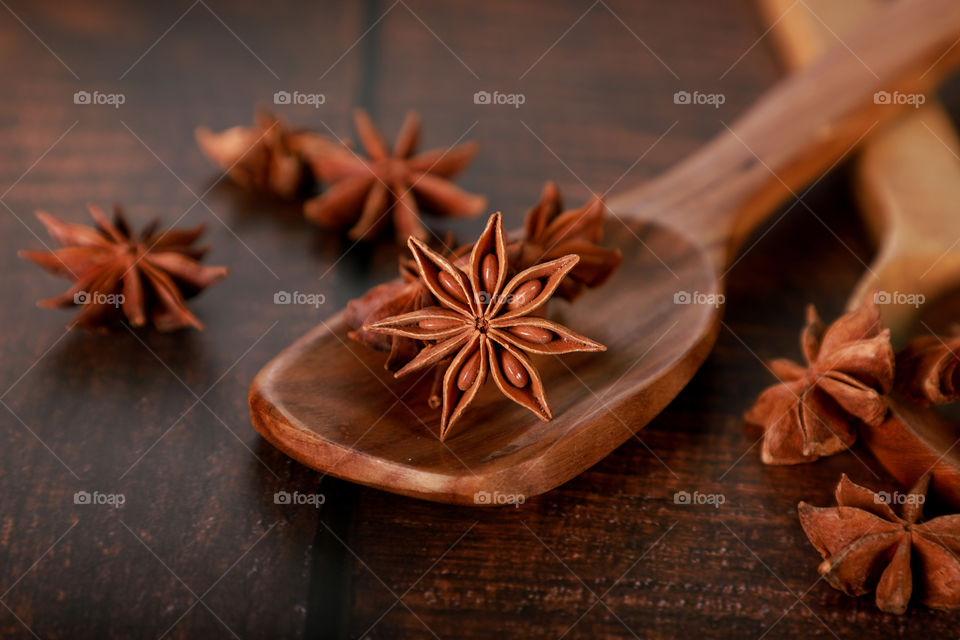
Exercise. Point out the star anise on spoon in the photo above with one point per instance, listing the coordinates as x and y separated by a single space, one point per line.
867 546
393 298
551 232
404 295
365 194
147 275
485 324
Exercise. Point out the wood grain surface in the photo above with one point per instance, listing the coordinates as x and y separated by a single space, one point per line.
200 548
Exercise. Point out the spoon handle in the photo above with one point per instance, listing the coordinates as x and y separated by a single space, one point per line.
802 127
908 177
908 182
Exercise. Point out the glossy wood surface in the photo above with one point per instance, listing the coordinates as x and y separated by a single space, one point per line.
599 109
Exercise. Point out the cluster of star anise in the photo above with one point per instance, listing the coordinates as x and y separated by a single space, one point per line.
363 193
852 380
817 409
476 310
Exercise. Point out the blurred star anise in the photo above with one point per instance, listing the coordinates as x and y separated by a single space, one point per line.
366 193
268 157
867 546
928 371
484 324
814 410
146 275
550 232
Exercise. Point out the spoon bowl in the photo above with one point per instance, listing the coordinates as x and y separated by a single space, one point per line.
329 403
378 430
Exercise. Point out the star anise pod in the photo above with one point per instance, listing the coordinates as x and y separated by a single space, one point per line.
366 193
550 232
815 410
407 294
927 370
147 275
393 298
867 546
484 324
268 157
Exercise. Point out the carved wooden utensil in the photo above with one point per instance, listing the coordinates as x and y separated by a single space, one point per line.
329 404
908 184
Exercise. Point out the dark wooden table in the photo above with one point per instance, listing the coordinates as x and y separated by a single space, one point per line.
199 549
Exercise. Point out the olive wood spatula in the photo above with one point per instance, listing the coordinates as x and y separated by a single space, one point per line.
908 185
329 403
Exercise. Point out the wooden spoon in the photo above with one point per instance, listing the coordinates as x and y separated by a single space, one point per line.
908 185
329 403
